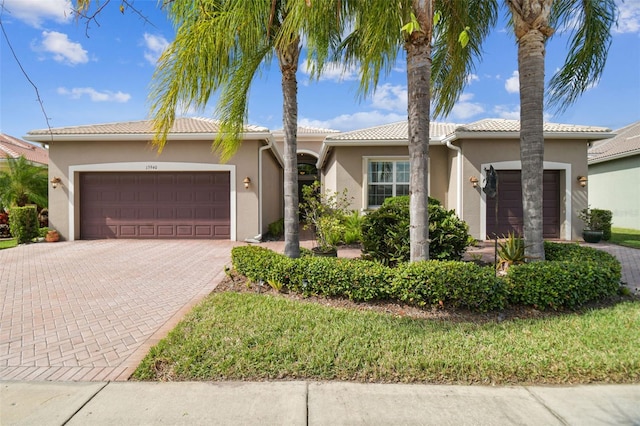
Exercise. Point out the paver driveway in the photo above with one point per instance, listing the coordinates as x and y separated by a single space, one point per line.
90 310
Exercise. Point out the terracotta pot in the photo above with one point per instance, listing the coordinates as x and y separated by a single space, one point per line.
52 236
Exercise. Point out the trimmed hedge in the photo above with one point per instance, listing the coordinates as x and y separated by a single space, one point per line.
572 276
431 283
449 284
24 223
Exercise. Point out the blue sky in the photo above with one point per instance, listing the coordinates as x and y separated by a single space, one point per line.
101 73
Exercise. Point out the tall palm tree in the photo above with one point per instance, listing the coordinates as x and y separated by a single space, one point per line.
380 29
533 20
23 183
219 47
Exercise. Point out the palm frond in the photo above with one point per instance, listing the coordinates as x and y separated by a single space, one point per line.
591 22
452 63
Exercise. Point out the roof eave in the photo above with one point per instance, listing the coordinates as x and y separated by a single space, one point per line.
547 135
614 157
48 138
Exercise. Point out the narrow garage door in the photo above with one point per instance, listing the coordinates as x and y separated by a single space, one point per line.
504 212
155 205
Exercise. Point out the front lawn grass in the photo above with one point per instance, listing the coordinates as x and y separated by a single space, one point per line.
4 244
245 336
626 237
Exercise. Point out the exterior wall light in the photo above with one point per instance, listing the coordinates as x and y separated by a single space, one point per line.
247 182
55 181
474 181
582 180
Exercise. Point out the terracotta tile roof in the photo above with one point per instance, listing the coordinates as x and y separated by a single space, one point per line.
305 130
183 125
11 147
625 143
398 131
504 125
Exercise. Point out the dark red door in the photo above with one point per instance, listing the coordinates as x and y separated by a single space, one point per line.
155 205
504 212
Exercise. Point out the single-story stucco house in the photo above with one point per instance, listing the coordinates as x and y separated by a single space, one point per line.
372 164
114 184
14 148
614 173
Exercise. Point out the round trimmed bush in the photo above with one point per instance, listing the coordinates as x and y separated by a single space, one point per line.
385 232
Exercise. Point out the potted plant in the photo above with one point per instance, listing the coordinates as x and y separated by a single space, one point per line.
52 236
324 214
592 232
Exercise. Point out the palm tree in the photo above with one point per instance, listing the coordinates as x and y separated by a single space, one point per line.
23 183
219 47
533 21
380 29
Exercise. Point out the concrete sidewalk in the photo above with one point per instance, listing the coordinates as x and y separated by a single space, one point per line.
313 403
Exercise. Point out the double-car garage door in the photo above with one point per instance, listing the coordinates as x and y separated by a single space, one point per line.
155 205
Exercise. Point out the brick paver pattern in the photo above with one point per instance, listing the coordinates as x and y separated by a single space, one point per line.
90 310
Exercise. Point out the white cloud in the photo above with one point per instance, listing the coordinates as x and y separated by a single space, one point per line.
390 97
472 77
94 95
333 71
465 109
508 112
63 49
359 120
629 17
155 45
512 85
35 12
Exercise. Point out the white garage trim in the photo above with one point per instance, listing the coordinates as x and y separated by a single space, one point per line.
517 165
151 166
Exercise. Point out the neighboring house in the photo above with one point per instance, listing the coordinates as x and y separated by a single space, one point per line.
114 184
372 164
614 173
11 147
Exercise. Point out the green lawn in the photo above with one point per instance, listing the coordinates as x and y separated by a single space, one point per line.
8 243
246 336
626 237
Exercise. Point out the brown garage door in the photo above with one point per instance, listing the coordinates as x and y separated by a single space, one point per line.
155 205
504 212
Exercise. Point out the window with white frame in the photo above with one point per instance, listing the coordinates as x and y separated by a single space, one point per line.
386 178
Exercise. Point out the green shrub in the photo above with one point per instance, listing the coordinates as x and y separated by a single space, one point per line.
571 276
42 232
24 223
449 284
604 218
275 230
353 228
385 232
356 279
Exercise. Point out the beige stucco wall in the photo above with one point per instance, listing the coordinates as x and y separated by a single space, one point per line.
140 156
613 186
304 145
272 190
344 169
568 156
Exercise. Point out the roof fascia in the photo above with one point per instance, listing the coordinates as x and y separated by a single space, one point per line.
614 157
547 135
102 137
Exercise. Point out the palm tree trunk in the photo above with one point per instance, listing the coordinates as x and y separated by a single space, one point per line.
418 50
288 60
531 52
